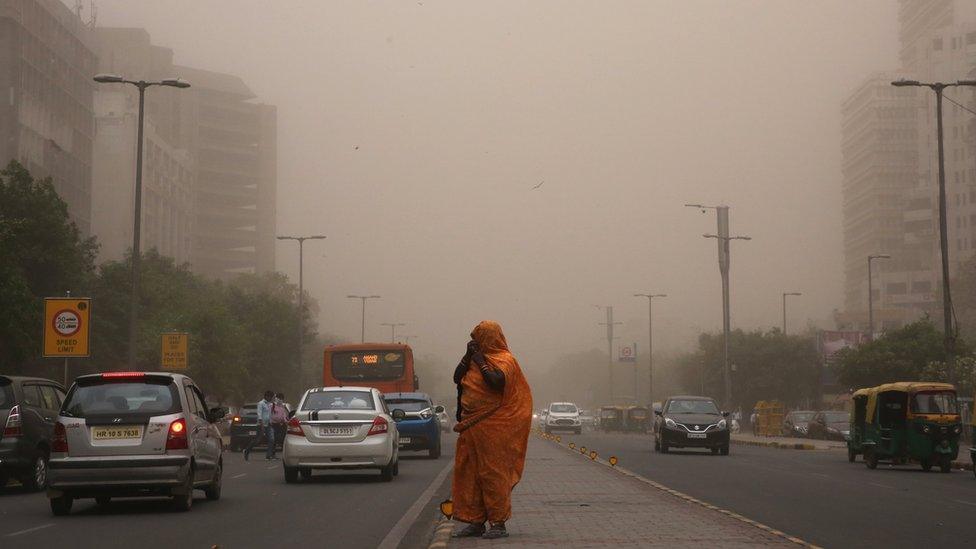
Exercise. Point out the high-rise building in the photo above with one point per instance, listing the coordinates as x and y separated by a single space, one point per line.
46 120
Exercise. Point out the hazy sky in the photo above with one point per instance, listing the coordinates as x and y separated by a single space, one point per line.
627 110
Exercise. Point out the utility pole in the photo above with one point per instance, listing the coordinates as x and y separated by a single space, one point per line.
871 293
784 308
650 343
364 298
609 324
950 336
301 287
724 259
393 327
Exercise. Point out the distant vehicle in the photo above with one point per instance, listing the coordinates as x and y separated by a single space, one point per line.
28 407
636 419
691 422
342 428
420 427
542 417
612 418
829 425
125 434
446 424
243 426
387 367
795 422
587 420
563 416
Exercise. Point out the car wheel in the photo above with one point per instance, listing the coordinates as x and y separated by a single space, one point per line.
36 479
657 445
184 502
945 463
870 459
724 450
291 474
714 451
435 452
386 473
664 447
852 456
213 490
396 467
61 505
103 501
926 464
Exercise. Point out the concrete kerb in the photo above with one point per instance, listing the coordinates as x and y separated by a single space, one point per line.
774 444
689 499
442 534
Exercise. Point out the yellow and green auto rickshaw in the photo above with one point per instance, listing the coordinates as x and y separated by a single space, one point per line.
859 408
908 421
638 419
611 418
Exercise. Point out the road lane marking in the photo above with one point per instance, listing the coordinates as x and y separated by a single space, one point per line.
400 529
882 485
964 502
240 475
272 467
29 530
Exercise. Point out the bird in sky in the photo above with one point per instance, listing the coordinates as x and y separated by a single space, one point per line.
539 185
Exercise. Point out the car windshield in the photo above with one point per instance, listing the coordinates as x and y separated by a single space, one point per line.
692 407
249 411
6 396
836 417
563 409
120 397
339 400
801 417
407 404
935 402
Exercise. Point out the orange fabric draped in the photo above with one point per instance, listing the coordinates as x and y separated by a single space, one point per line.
494 433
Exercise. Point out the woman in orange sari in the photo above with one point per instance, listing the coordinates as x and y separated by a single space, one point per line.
494 420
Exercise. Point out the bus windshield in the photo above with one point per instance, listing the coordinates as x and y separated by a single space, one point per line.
368 365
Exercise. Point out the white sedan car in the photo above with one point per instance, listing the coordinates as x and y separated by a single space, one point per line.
341 428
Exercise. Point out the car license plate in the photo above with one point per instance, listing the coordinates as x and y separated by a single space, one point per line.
697 435
335 431
252 433
404 440
121 432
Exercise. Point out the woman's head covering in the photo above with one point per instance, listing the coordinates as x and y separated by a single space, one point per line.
488 334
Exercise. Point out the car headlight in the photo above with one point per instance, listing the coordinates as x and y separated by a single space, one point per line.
426 413
957 429
670 423
926 429
722 424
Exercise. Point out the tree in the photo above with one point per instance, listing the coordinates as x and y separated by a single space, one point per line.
42 253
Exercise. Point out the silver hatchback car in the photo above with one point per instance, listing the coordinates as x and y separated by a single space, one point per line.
134 434
341 428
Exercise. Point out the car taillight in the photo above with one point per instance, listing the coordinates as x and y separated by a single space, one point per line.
14 427
237 419
59 442
295 427
380 426
176 439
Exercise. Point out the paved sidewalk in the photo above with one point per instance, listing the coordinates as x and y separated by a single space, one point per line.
788 443
566 499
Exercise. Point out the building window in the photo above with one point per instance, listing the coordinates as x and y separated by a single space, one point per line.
970 38
921 287
896 288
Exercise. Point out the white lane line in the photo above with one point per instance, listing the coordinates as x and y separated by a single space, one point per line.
29 530
964 502
882 485
400 529
240 475
272 466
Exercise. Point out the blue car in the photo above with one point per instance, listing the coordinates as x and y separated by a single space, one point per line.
420 428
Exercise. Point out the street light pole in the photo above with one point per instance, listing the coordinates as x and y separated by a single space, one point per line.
393 327
301 287
871 293
724 260
784 308
950 339
141 85
650 344
364 298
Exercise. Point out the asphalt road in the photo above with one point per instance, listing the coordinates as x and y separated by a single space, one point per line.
815 495
256 509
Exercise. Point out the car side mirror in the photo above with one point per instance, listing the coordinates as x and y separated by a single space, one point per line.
398 414
658 412
217 414
291 413
725 414
438 409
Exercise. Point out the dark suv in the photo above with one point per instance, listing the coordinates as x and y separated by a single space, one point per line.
28 409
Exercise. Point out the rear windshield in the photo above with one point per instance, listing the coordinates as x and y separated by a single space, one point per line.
836 417
563 409
251 410
120 397
339 400
407 404
802 416
934 402
6 396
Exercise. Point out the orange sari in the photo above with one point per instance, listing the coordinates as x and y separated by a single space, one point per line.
494 433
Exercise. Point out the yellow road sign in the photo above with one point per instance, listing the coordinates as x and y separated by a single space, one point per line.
175 355
67 326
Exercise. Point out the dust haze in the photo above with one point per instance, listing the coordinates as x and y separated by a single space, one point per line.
416 135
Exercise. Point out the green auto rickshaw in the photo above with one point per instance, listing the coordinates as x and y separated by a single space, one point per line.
910 421
855 437
638 419
611 418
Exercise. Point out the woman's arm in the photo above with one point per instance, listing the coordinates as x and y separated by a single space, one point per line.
494 378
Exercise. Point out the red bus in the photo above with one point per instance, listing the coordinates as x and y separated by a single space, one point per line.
387 367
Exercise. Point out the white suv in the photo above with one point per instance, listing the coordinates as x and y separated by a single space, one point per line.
563 416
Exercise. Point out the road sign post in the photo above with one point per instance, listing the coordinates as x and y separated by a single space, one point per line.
175 351
67 329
